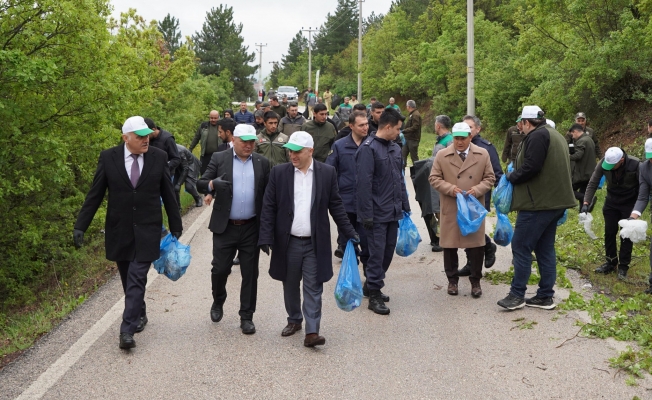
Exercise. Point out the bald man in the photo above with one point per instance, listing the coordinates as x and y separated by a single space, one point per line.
208 137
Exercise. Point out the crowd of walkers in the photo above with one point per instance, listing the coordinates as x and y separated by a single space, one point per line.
275 175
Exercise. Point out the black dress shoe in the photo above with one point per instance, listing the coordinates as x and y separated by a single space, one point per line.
313 339
489 255
605 268
436 248
622 272
216 312
198 202
236 261
339 253
247 326
365 293
291 329
141 324
376 303
127 341
465 271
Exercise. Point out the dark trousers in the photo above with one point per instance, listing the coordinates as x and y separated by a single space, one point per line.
243 239
205 159
612 214
451 263
364 247
302 265
411 147
487 241
381 240
431 226
579 189
133 275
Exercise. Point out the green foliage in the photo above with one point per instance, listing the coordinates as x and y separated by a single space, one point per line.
219 46
169 28
339 30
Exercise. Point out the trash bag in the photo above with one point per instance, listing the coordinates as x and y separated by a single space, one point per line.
563 218
175 258
585 220
602 180
503 195
408 236
337 120
470 213
503 232
634 229
348 290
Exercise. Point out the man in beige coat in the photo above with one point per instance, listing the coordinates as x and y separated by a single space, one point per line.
458 168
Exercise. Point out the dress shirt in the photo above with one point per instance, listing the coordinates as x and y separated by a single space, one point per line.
302 202
129 161
243 205
466 152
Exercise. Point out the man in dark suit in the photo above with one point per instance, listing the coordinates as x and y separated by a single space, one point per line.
136 176
237 179
295 224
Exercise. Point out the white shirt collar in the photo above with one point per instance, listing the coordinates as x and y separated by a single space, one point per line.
236 156
310 169
128 153
466 152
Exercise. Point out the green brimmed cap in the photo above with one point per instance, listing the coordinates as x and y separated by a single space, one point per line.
136 125
245 132
300 140
611 158
461 129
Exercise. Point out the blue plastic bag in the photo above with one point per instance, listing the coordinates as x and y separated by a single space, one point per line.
602 180
503 232
348 290
503 195
408 236
175 258
470 214
563 218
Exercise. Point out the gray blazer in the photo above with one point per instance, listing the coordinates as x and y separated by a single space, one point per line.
644 186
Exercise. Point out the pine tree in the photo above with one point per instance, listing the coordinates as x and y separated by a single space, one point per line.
169 28
219 46
339 29
298 45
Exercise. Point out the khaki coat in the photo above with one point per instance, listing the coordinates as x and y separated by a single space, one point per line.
448 171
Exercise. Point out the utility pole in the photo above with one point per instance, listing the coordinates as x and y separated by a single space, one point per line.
310 31
470 63
260 60
360 50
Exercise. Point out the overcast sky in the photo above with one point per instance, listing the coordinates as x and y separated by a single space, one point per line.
274 22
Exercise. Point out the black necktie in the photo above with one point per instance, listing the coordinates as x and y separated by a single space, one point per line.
463 156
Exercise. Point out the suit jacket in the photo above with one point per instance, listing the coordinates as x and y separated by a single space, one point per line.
278 214
449 171
133 215
222 163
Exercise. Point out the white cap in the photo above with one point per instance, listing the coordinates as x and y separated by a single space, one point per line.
461 129
648 148
611 158
136 125
299 140
245 132
551 123
531 112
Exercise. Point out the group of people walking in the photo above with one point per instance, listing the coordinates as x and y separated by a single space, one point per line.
273 184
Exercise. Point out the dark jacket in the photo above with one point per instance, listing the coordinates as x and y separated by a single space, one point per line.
289 125
323 135
622 183
542 177
495 164
278 214
582 159
165 141
412 126
189 166
246 117
590 133
342 157
200 137
280 110
381 188
644 186
133 215
512 141
222 163
271 147
344 132
424 193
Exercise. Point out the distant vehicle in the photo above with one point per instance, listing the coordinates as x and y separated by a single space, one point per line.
288 91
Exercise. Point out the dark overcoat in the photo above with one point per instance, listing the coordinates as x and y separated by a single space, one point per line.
133 216
278 214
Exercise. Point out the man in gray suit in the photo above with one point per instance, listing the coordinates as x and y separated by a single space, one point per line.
236 179
644 193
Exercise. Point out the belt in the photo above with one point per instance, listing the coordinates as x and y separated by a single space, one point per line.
302 237
241 221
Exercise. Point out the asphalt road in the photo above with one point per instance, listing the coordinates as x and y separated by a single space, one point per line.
431 346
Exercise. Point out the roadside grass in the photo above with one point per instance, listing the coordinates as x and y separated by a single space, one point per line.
66 289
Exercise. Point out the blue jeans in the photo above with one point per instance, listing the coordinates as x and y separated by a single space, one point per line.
535 231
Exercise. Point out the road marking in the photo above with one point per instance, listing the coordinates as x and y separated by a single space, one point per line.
48 378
